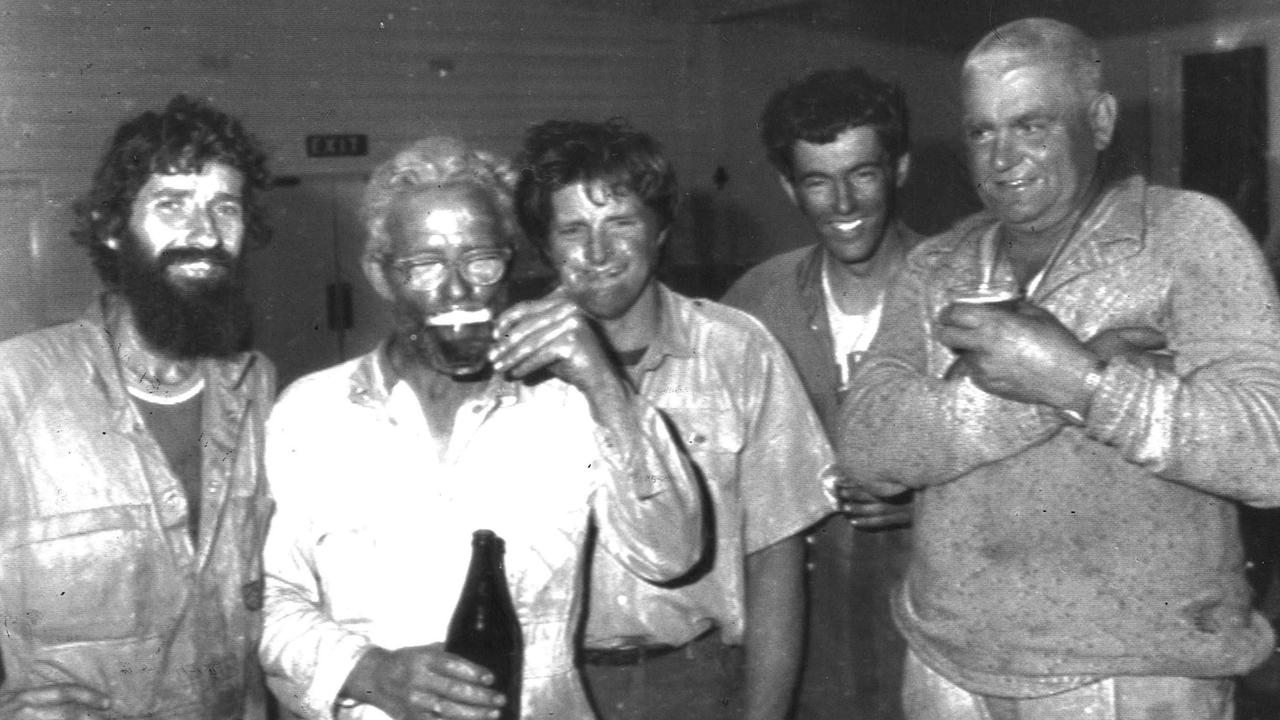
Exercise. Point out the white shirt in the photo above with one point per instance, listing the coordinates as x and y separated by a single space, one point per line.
372 535
850 333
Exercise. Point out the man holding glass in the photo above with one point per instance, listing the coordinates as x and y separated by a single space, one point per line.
1078 457
383 466
599 198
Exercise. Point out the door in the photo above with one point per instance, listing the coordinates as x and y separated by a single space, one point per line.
312 305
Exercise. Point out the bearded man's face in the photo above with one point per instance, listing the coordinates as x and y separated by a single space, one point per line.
181 265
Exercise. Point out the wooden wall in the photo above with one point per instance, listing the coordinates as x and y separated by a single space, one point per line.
71 70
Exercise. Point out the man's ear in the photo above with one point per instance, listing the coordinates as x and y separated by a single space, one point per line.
788 188
663 235
1102 119
376 274
902 170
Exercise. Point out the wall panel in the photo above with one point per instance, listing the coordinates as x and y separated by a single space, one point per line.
71 70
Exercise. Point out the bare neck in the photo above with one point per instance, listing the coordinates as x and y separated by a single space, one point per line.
639 325
857 287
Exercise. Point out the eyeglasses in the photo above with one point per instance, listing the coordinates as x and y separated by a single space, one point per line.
429 272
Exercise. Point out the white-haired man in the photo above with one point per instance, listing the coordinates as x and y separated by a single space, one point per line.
383 466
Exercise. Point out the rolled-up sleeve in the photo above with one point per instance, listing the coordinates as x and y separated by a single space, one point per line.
306 654
787 457
648 509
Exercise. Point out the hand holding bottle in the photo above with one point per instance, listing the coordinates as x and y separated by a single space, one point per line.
424 682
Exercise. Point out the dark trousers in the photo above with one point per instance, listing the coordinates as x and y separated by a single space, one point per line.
699 681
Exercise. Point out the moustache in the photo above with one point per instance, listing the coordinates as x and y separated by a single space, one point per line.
214 256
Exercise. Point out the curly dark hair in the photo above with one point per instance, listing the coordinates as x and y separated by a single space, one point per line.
560 153
184 137
824 104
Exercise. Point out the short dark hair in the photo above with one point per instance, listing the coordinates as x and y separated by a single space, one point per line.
824 104
184 137
560 153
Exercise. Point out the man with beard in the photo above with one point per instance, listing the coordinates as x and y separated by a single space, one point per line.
600 199
383 467
838 139
132 500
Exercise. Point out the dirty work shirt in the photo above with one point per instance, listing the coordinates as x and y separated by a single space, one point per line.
728 388
373 535
103 584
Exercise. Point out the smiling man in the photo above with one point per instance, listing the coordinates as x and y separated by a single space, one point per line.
1078 458
471 415
600 200
131 488
838 140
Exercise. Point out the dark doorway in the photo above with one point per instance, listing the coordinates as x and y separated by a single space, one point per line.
1224 131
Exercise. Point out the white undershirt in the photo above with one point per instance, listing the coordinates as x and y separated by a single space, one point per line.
850 333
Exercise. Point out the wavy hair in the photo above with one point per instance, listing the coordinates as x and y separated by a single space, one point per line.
560 153
184 137
824 104
436 162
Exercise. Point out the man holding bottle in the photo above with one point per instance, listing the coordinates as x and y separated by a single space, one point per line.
382 468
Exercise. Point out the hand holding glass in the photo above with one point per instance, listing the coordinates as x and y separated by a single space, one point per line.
996 292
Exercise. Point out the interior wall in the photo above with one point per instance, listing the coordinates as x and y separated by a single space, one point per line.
1146 71
71 70
758 58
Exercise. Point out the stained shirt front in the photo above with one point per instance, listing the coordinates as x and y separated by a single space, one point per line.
103 585
728 388
373 534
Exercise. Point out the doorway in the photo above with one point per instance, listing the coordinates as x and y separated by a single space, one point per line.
312 305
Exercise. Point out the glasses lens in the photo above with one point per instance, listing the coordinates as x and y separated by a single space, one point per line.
485 270
423 274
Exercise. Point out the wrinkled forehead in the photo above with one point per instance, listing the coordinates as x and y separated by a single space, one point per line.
448 214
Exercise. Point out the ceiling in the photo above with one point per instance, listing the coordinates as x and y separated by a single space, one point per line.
953 25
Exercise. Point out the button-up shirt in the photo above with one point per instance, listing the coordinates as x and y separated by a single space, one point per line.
102 583
730 391
373 534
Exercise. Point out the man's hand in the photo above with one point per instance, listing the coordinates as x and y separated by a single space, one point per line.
1024 355
1140 344
870 504
551 333
54 702
423 682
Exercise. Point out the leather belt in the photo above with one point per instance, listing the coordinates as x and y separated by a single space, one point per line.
630 655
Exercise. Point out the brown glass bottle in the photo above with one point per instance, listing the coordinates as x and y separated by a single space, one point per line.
485 628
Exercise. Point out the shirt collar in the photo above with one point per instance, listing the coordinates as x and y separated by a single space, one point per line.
374 377
675 336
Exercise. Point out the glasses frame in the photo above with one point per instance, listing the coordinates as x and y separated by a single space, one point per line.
403 267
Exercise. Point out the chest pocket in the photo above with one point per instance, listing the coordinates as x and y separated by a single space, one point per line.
94 575
713 438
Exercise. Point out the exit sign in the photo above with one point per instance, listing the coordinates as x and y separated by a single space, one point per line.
337 145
